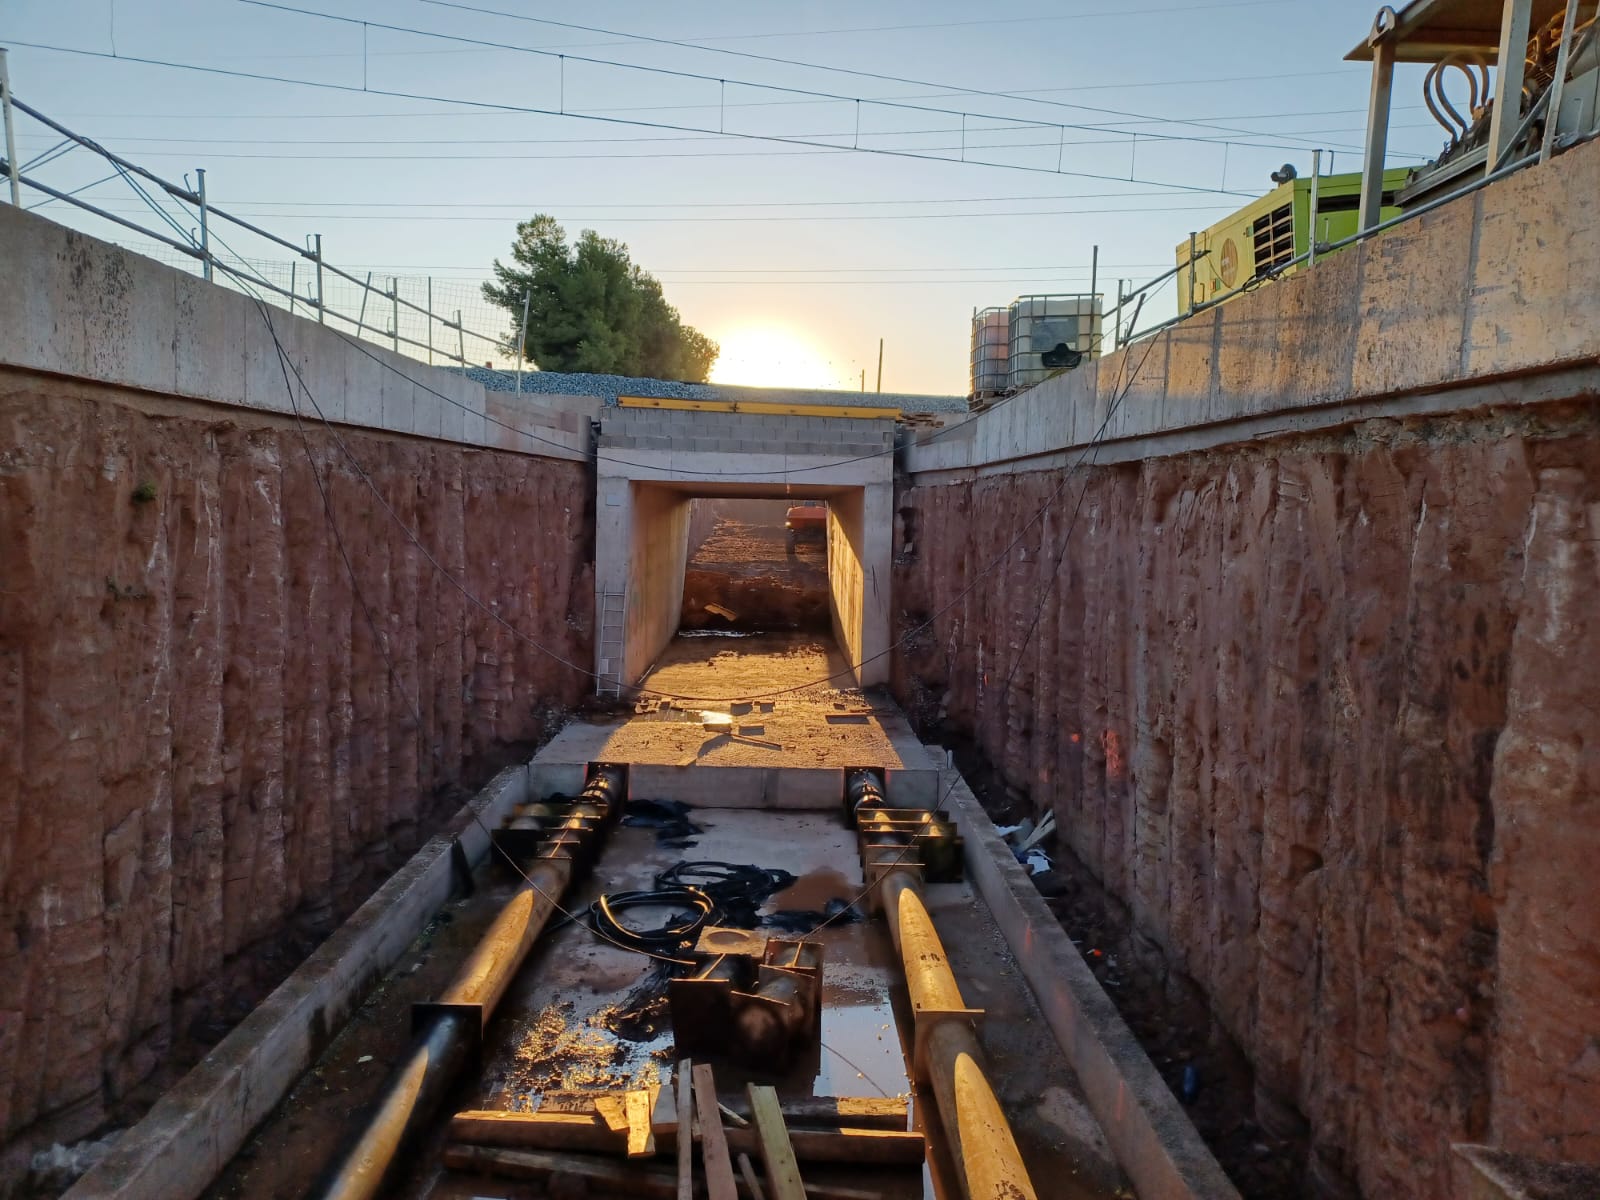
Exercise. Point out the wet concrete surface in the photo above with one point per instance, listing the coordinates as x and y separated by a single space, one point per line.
567 1023
802 710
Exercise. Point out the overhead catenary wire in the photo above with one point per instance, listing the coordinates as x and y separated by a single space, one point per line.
502 106
1001 119
948 89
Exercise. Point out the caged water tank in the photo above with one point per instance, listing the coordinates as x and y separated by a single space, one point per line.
991 352
1051 334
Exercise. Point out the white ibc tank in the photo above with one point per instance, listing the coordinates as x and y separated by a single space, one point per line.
991 352
1048 332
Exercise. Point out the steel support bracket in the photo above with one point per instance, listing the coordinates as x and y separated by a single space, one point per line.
926 1021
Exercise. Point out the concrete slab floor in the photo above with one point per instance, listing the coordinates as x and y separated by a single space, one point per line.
820 724
558 1025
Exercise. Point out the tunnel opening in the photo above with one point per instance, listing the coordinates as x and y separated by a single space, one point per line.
711 569
756 567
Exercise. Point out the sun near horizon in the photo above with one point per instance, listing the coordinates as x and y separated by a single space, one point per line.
769 354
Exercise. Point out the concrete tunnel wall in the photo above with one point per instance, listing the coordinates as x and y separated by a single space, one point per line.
860 527
1311 687
656 563
206 761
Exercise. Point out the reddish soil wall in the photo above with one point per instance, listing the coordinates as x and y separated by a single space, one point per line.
205 762
1322 714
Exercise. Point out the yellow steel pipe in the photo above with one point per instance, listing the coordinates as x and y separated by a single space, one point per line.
948 1055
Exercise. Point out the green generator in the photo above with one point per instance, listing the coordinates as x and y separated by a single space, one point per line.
1271 231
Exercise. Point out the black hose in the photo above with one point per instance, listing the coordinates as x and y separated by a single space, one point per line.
738 889
678 930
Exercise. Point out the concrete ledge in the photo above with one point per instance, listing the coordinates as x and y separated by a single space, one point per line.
185 1141
1493 286
1554 385
87 309
1150 1134
1485 1173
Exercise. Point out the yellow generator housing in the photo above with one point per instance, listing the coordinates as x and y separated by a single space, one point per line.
1271 231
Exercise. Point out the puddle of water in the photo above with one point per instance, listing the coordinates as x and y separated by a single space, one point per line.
814 889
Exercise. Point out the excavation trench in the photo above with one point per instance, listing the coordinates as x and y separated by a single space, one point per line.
584 1014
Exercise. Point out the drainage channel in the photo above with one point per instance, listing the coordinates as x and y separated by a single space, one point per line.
582 1015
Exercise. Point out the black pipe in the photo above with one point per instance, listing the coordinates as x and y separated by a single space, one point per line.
449 1032
411 1096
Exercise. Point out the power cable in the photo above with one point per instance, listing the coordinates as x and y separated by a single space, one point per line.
830 97
724 220
552 112
1184 8
949 89
523 206
1061 553
75 191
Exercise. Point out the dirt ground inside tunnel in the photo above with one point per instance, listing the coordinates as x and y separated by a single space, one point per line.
746 567
1166 1011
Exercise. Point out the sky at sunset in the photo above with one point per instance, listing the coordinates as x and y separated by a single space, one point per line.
787 215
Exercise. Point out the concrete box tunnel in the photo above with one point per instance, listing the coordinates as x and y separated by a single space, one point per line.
653 464
835 585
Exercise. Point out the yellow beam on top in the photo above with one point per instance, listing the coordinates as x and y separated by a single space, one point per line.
764 408
687 405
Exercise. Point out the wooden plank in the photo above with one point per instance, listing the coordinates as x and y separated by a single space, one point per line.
563 1131
865 1112
622 1179
747 1172
640 1142
613 1111
686 1143
713 1142
783 1173
570 1102
885 1147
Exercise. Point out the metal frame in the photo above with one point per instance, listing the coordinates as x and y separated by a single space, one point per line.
202 249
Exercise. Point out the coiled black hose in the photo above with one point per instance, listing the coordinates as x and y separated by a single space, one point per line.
707 892
738 889
679 929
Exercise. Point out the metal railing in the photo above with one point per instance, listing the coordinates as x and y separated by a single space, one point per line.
200 246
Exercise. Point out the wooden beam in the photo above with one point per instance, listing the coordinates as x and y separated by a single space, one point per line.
685 1121
622 1179
865 1112
640 1143
747 1172
713 1142
783 1173
613 1110
567 1131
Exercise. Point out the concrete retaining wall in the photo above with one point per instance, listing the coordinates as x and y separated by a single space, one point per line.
235 693
1301 663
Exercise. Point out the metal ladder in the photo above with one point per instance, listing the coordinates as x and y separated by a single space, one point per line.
613 629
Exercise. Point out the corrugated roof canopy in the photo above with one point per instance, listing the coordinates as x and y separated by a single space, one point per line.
1427 30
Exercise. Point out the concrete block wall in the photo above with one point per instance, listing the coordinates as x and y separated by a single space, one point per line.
79 307
742 432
